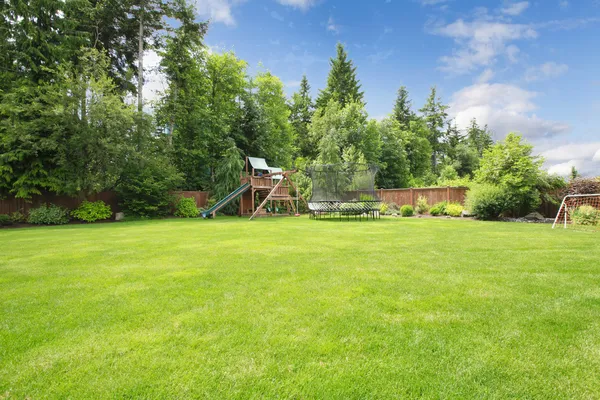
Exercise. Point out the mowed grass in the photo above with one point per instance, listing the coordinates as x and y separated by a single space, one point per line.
294 308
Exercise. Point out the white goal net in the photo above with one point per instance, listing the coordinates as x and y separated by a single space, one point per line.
579 211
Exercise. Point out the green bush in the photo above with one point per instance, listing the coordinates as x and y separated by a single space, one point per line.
407 211
586 215
454 210
383 209
5 220
48 215
17 217
422 205
92 211
186 208
144 187
487 201
438 208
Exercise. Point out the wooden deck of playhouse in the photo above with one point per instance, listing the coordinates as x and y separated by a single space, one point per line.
271 191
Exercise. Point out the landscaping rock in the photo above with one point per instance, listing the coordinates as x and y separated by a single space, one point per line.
466 213
534 216
119 216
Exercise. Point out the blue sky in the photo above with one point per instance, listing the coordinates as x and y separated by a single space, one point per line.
527 66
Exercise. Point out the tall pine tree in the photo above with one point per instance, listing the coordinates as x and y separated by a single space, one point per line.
435 115
342 84
301 109
402 109
479 138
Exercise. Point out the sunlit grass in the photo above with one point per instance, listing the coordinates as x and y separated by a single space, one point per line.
294 308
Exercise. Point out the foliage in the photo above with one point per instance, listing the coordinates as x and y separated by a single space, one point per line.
186 208
402 109
586 215
407 210
510 166
394 171
144 187
487 201
435 115
418 150
342 85
479 139
438 208
92 211
584 186
383 209
422 205
5 220
454 210
301 112
48 215
17 216
227 177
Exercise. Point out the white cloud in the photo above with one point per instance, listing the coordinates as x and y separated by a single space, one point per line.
274 42
332 27
301 4
154 81
596 157
217 10
305 60
480 42
564 169
486 76
504 108
277 16
563 4
432 2
292 84
587 151
545 71
515 9
380 56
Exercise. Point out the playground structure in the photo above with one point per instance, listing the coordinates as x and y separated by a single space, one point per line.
267 186
344 190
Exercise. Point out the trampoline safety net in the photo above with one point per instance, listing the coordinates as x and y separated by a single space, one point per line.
345 189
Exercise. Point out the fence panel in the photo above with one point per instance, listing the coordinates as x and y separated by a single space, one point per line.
200 197
434 195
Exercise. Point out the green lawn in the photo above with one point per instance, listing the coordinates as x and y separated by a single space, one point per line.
294 308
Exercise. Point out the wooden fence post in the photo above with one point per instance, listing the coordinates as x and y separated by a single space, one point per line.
448 194
412 197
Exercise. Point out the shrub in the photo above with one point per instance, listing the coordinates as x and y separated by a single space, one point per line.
454 210
144 187
486 201
383 209
584 186
48 215
407 211
586 215
17 217
438 208
92 211
393 206
422 205
186 208
5 220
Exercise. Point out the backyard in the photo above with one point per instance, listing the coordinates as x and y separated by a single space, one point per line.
295 308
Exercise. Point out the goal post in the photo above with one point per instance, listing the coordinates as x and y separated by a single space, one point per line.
579 210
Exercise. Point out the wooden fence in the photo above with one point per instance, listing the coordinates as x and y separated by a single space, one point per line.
434 195
11 205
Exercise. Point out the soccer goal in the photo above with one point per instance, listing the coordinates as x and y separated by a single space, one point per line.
581 211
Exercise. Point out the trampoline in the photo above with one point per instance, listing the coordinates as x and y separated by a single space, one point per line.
344 191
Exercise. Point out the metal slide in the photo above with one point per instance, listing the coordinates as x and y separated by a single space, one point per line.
230 197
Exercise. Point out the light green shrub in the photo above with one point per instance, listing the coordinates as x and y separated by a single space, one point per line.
438 208
407 211
454 210
487 201
92 211
586 215
383 209
422 205
5 220
186 208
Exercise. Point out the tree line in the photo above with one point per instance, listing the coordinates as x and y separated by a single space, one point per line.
74 122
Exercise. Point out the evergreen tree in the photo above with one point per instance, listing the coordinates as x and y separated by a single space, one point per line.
434 115
574 173
479 138
394 170
402 109
300 117
342 84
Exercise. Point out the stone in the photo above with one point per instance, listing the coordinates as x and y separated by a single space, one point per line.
534 216
119 216
466 213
